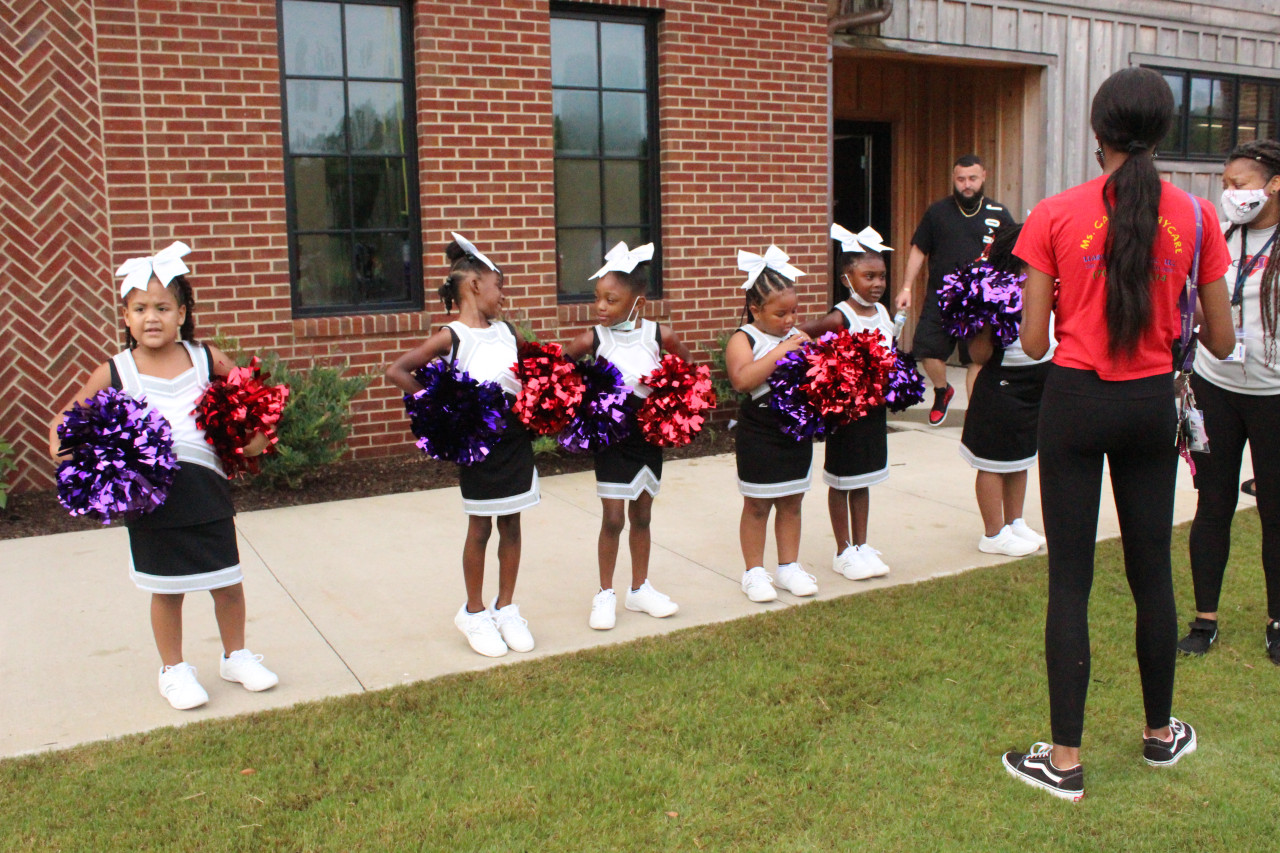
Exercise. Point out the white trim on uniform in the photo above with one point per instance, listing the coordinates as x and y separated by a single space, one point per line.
857 481
992 466
178 584
644 481
505 506
769 491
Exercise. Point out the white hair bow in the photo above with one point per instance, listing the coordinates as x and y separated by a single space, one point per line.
868 239
164 265
470 248
622 259
773 258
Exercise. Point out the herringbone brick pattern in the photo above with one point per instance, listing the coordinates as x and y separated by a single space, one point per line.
58 319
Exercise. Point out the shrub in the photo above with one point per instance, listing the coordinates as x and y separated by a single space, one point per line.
6 465
726 397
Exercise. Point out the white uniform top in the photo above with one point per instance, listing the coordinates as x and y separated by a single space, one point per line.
487 355
880 321
635 353
1252 376
761 343
176 400
1015 356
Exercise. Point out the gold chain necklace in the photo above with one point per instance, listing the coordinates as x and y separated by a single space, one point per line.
961 209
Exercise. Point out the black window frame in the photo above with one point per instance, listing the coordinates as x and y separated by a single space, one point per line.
409 156
1183 119
649 19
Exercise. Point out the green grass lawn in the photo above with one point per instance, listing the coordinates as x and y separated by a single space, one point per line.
872 722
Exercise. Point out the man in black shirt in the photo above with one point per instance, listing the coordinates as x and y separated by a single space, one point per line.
954 231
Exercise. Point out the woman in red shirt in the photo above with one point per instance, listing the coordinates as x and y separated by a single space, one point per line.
1121 249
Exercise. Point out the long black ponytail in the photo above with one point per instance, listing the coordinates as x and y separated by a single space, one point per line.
1132 112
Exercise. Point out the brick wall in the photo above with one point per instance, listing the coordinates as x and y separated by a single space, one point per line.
190 148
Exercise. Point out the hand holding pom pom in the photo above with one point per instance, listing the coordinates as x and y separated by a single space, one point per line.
601 417
455 418
672 413
239 413
978 295
797 414
121 461
550 388
906 385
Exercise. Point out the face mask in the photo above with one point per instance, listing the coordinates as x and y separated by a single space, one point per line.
1242 206
628 324
858 299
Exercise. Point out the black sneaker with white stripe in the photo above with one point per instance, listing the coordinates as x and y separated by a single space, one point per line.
1165 753
1037 770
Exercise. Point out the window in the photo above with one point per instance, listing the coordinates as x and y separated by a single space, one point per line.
351 176
1217 112
603 85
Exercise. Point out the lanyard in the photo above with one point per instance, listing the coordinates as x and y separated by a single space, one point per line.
1243 271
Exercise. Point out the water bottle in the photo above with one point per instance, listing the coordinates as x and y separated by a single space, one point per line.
899 320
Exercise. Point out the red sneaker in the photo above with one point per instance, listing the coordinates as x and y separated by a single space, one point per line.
941 399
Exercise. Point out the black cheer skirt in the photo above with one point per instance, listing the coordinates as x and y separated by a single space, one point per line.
771 464
858 453
1000 425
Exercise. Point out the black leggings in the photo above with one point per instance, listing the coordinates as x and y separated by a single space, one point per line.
1230 418
1133 424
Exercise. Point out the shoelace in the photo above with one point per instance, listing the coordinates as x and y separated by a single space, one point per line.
236 657
1040 749
646 588
760 576
510 616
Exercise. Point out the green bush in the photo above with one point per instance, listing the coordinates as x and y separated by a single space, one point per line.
726 397
6 465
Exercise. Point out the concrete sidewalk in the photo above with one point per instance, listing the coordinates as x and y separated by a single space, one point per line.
359 595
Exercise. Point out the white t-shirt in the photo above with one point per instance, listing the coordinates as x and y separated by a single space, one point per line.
1252 375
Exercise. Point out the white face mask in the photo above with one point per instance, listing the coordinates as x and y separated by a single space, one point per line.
1242 206
628 324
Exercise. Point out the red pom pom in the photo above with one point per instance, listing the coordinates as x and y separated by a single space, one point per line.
550 389
237 407
672 413
848 374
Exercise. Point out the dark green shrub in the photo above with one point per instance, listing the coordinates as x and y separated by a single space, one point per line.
6 465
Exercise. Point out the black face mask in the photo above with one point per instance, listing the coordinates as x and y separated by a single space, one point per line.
968 205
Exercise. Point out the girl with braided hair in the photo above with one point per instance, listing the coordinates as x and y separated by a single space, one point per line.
1240 395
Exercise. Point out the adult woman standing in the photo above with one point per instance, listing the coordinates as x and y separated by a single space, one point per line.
1240 396
1120 245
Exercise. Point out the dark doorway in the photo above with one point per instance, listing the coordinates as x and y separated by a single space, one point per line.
860 178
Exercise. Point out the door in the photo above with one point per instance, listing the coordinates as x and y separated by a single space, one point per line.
860 186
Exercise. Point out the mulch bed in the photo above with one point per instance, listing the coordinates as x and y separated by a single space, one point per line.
39 513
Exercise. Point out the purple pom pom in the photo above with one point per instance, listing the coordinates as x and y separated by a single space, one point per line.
602 417
121 461
797 415
978 295
906 385
455 418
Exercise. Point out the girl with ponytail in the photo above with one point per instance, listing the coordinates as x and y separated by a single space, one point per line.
1120 247
1240 396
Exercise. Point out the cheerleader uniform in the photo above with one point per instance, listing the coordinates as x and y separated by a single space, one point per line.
858 452
771 464
999 434
633 465
505 482
188 544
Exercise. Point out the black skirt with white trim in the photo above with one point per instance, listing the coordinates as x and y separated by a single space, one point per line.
858 453
629 467
771 464
506 481
1000 425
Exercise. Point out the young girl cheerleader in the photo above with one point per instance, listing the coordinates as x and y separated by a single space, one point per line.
773 468
188 544
857 455
505 482
999 437
629 472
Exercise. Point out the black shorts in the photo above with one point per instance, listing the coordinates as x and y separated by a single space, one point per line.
931 339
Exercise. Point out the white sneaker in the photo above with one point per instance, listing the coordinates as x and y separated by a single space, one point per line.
1008 543
513 627
758 585
481 632
842 562
871 557
244 667
857 568
646 599
796 580
1020 529
604 610
178 684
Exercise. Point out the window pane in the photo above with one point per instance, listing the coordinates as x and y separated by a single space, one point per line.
579 253
625 125
577 192
378 193
625 193
377 117
573 53
382 264
577 123
1223 97
1248 101
324 271
1175 82
622 46
312 39
315 117
320 193
373 42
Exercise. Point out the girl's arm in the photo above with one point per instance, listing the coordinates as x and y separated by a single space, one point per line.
1216 333
400 372
98 380
1037 305
745 372
672 344
832 322
221 364
580 345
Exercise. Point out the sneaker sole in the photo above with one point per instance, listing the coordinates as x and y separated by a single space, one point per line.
650 612
247 687
200 704
596 627
1002 553
766 600
1187 750
1069 796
